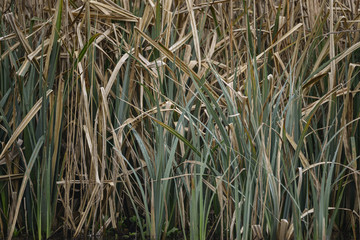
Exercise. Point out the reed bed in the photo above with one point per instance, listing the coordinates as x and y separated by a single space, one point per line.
191 119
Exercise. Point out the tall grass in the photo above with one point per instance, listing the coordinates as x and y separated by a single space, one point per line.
190 119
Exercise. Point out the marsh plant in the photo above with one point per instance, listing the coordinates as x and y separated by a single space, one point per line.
197 119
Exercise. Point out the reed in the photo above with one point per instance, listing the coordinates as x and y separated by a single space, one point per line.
190 119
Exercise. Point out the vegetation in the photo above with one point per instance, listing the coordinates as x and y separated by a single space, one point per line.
189 118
